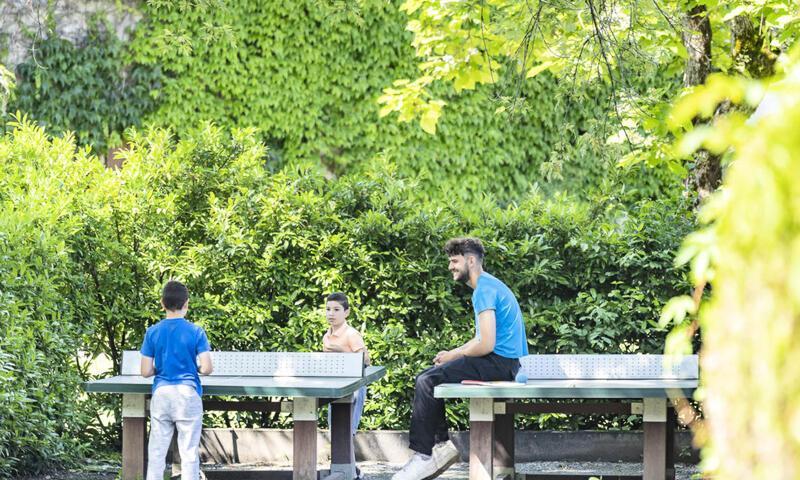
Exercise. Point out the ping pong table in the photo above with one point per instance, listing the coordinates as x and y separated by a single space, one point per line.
308 380
643 382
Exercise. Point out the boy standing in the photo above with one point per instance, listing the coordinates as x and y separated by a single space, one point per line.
170 351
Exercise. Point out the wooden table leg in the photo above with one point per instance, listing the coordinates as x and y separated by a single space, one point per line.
304 417
342 455
481 438
655 439
134 437
503 442
671 423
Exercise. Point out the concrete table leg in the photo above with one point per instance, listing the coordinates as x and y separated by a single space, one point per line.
503 441
671 423
304 417
481 438
342 455
655 439
134 437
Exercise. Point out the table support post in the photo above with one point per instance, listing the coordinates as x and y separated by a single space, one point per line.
304 417
655 439
503 441
342 454
481 438
134 437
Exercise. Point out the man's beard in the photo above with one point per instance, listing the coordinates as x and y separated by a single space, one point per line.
462 276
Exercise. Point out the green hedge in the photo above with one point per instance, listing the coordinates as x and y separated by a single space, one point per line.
92 88
85 251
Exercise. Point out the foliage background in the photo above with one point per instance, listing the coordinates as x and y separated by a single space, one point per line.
747 248
260 249
92 89
307 75
261 235
341 200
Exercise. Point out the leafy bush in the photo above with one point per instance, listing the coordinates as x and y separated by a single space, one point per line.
42 183
747 251
87 249
91 89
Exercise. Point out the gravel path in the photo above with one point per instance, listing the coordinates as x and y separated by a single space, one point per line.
384 471
459 471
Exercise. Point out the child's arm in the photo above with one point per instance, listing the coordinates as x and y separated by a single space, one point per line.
357 345
366 355
147 364
205 367
147 367
203 349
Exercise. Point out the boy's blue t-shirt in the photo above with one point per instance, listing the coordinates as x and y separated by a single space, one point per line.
174 344
492 294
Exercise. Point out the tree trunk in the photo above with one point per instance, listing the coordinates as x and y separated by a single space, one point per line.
697 40
706 174
751 54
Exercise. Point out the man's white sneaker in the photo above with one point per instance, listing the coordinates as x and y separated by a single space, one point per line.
417 468
444 455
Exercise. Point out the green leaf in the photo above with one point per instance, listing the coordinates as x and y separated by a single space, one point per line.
538 69
738 10
428 121
676 310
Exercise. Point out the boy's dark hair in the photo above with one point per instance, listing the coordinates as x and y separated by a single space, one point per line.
339 297
464 246
174 295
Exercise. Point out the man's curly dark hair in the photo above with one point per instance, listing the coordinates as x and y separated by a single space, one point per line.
465 246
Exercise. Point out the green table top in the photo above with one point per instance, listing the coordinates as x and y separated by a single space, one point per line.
570 389
318 387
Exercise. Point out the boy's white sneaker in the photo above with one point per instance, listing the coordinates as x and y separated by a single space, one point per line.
444 455
417 468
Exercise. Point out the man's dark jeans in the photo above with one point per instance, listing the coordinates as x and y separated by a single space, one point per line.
428 423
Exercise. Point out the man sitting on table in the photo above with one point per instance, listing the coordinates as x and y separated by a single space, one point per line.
493 354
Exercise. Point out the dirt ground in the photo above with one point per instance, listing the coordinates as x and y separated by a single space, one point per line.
384 471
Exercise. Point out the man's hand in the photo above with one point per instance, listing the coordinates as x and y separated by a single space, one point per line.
437 359
446 356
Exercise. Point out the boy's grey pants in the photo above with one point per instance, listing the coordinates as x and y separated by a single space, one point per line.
175 406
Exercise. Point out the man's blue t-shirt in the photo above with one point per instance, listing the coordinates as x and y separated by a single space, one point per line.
492 294
174 344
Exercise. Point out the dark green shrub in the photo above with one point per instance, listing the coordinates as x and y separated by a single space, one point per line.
259 251
91 89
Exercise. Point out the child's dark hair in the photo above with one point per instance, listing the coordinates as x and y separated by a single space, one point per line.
339 297
174 295
464 246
